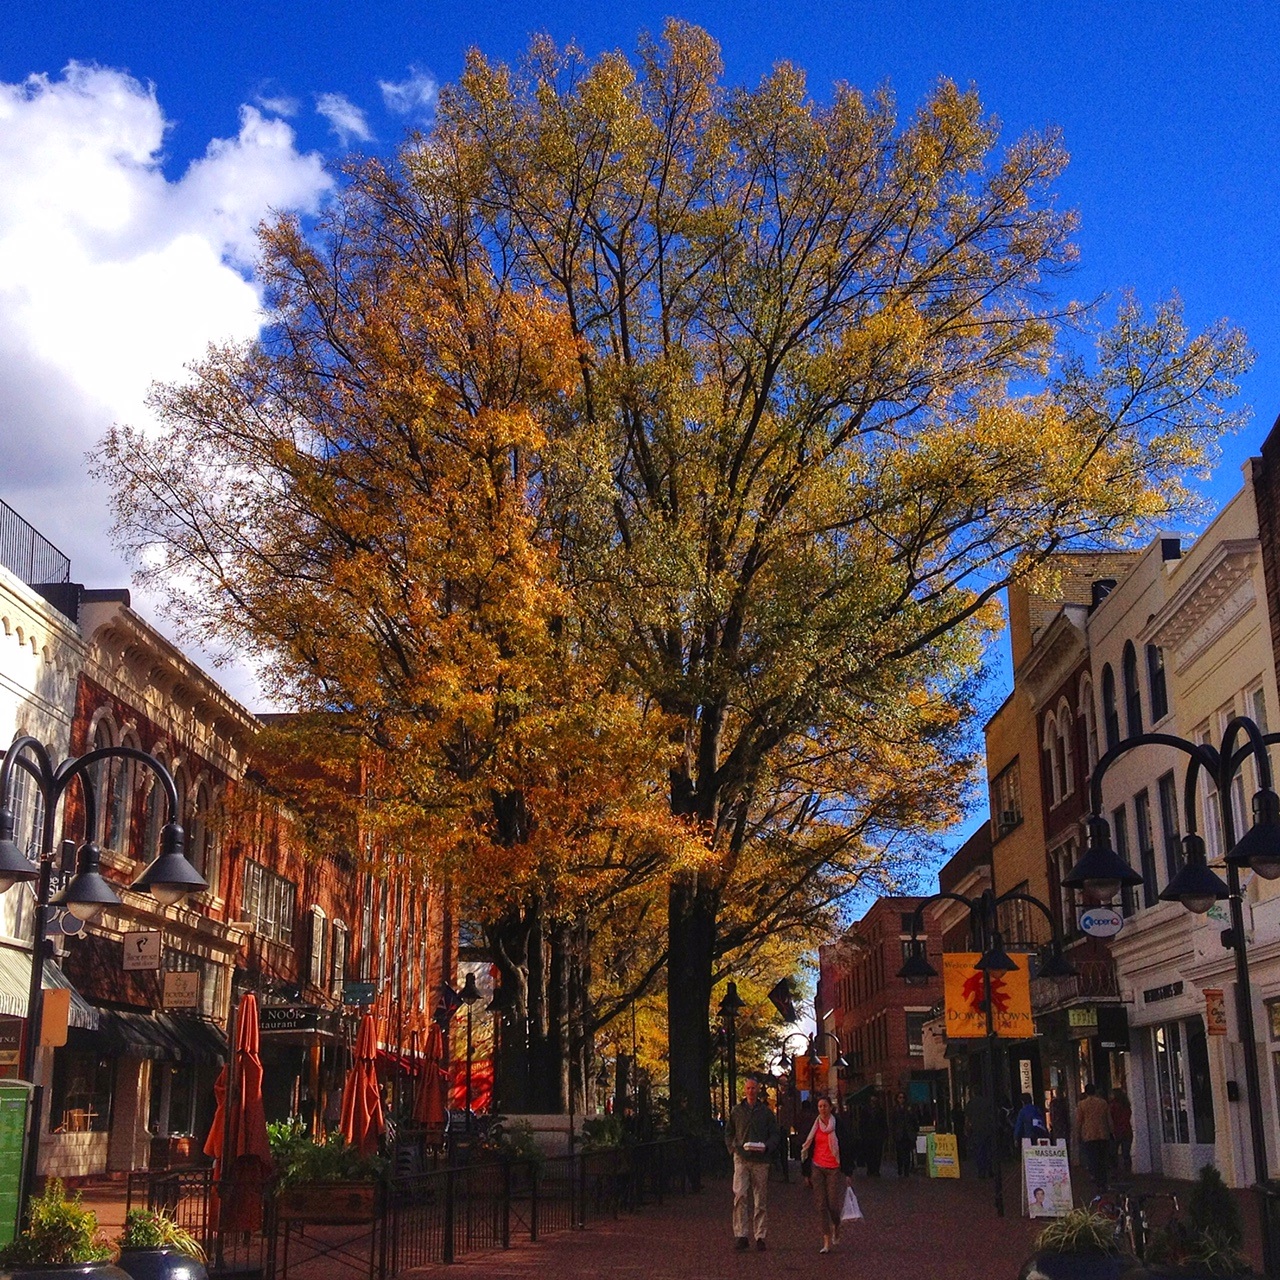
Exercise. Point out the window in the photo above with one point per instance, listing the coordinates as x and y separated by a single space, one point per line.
1255 705
1006 800
100 779
81 1095
315 948
1210 804
1061 862
339 971
123 782
1015 920
1120 837
1089 720
1110 718
269 900
1166 1044
1169 827
153 819
1067 776
906 920
1132 694
915 1032
1156 683
203 837
1146 847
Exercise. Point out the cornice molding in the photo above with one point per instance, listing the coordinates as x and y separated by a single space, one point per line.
1214 598
1057 650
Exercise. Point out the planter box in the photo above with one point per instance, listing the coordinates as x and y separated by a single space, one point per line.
1076 1266
335 1202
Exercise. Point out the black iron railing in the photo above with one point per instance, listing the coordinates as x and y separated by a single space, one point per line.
27 553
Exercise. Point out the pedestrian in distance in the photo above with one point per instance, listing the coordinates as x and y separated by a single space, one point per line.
875 1131
1122 1129
1093 1124
1029 1122
821 1160
904 1127
752 1138
980 1120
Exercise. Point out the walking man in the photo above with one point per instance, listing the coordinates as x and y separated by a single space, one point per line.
752 1138
1093 1123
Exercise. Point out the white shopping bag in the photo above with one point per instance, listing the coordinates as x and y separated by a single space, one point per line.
852 1210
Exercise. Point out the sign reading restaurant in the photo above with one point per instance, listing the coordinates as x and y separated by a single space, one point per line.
291 1017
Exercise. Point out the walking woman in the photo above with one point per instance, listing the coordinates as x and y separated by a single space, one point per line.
903 1127
821 1156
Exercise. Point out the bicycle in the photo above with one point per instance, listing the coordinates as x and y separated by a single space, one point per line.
1132 1217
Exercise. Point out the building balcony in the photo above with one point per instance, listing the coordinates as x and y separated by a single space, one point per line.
1093 980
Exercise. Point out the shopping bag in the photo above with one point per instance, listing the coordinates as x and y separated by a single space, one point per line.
852 1210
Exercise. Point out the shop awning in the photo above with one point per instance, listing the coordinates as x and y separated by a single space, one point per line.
860 1095
162 1037
15 978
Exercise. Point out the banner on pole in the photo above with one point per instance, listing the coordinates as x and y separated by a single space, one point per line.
964 994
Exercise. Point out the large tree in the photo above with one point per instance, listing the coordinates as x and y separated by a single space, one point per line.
826 409
805 403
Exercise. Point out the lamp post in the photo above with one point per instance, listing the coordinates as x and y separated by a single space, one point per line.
984 927
470 993
1101 872
729 1006
84 894
815 1058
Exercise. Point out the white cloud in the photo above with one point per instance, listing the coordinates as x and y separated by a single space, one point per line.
278 104
112 276
413 96
345 118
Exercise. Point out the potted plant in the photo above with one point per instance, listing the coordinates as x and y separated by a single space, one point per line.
1209 1242
1081 1245
322 1182
61 1242
154 1247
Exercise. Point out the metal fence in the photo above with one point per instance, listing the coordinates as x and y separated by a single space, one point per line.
446 1214
27 553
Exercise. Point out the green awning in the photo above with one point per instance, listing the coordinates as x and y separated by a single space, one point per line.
15 979
162 1037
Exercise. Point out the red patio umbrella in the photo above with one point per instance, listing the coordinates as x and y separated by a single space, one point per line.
361 1098
238 1138
429 1107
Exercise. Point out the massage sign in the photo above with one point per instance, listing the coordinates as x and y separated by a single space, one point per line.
964 993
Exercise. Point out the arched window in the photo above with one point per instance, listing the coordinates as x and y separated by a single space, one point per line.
316 948
1132 694
155 813
118 833
1051 744
1159 690
202 836
101 778
1110 717
1089 723
1065 736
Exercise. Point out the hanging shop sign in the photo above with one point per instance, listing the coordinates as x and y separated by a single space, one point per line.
964 995
141 951
1215 1012
181 989
290 1017
1152 995
1101 922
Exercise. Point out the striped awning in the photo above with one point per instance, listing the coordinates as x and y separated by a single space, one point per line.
15 979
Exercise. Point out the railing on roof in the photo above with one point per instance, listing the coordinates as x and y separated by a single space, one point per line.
27 553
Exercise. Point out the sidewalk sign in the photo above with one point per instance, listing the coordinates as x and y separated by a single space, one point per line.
1046 1179
942 1156
15 1102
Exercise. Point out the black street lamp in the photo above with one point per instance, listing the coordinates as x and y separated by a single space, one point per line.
470 993
729 1006
984 926
86 892
1101 871
815 1058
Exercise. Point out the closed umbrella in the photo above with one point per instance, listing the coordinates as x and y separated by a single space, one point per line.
361 1099
429 1107
238 1137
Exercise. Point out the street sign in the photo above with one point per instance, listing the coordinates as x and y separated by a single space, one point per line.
181 990
1101 922
142 950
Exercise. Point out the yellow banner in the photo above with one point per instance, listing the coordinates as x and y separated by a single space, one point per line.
964 995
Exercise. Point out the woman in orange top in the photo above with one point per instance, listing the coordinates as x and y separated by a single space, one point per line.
822 1147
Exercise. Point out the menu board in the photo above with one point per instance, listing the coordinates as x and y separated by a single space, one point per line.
15 1101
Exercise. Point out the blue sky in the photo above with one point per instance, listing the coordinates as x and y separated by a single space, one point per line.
1170 111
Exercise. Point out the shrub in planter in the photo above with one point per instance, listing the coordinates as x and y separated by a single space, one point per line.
61 1242
323 1182
512 1140
154 1247
602 1133
1209 1242
1078 1246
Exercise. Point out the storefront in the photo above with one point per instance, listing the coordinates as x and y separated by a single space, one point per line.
304 1058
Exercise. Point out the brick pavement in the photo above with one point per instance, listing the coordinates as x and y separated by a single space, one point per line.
942 1230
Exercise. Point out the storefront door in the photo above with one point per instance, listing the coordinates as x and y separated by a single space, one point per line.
1183 1094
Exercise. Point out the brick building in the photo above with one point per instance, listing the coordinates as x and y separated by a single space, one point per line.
879 1017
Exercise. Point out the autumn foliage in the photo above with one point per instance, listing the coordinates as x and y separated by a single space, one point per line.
636 464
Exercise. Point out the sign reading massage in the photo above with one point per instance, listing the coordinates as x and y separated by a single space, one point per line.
964 995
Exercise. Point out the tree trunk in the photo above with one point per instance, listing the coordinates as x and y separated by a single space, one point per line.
509 948
691 925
